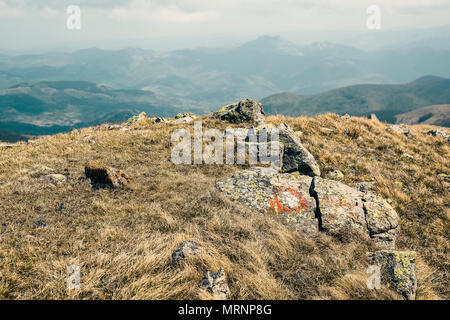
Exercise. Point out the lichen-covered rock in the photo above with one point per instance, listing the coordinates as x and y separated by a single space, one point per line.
243 111
295 156
399 129
103 176
381 219
216 284
264 190
340 207
184 251
397 270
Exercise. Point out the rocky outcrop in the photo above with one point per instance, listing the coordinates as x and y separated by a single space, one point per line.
245 111
441 133
106 177
314 204
184 251
397 270
216 284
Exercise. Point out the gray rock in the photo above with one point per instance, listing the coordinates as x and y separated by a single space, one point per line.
380 216
345 116
183 120
397 270
374 117
216 284
295 156
56 178
340 207
243 111
184 251
399 129
335 175
266 191
441 133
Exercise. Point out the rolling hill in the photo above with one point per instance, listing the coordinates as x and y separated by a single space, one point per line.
438 115
50 107
386 101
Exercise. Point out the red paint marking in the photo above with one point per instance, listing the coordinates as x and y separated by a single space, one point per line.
280 208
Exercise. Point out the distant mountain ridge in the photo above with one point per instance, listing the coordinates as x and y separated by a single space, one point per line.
215 76
386 101
49 107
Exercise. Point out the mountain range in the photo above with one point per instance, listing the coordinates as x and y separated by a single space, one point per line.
386 101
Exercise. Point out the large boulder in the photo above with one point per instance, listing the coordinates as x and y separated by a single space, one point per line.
397 270
245 111
216 285
340 207
267 191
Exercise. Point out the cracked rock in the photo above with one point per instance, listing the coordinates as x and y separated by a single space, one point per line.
381 219
340 208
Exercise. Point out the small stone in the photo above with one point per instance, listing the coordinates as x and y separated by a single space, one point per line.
184 251
399 129
374 117
336 175
183 120
365 186
56 178
345 116
216 284
397 270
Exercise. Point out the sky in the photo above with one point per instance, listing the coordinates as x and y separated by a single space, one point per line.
39 25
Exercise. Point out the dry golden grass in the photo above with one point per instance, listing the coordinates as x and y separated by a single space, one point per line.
123 239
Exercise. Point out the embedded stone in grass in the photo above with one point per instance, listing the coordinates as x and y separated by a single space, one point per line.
397 270
184 251
216 284
102 176
399 129
56 178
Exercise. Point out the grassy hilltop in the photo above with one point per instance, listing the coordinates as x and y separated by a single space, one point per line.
123 238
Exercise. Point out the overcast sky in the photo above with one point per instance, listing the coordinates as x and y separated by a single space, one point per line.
41 24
